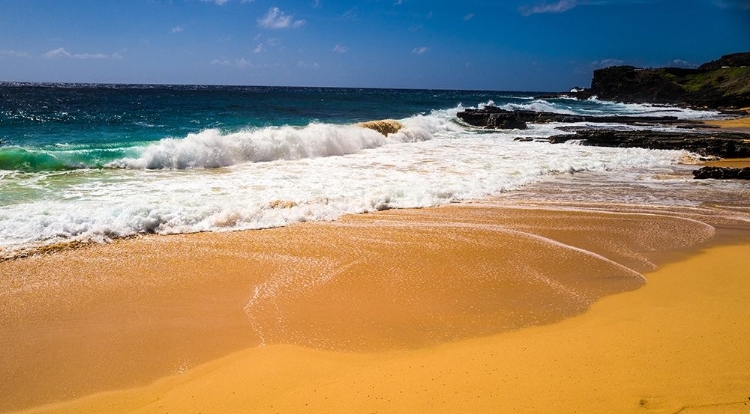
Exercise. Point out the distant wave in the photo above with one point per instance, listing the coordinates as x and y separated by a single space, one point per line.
21 159
595 107
539 105
607 107
61 157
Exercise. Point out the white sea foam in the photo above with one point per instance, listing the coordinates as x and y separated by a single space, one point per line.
539 105
280 175
211 148
595 107
608 107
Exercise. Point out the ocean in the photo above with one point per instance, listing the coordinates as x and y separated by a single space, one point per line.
82 163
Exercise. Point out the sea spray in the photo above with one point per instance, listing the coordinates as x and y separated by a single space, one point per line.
212 149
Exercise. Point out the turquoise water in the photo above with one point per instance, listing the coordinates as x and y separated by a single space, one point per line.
96 162
54 127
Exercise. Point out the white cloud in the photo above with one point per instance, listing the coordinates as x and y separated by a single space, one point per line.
340 49
92 56
420 50
317 4
223 2
561 6
13 53
679 63
259 48
605 63
557 7
469 17
276 19
306 65
241 63
725 4
177 29
62 53
57 53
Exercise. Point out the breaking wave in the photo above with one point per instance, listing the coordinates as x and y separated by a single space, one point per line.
212 148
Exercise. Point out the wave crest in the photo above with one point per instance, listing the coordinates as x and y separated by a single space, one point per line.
212 149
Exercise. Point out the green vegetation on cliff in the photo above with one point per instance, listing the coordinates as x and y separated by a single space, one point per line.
731 81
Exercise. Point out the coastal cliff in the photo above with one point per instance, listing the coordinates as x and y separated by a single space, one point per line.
723 83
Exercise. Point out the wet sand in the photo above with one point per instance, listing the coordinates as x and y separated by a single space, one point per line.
676 345
496 306
732 163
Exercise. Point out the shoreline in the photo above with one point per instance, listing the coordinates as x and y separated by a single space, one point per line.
741 124
62 246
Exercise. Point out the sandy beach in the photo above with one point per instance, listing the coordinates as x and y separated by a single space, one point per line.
676 345
494 306
738 124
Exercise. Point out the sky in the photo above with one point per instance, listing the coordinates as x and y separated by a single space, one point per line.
519 45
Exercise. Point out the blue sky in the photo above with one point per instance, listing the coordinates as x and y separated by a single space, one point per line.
540 45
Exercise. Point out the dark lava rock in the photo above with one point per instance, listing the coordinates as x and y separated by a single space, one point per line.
492 117
719 144
496 118
722 173
628 83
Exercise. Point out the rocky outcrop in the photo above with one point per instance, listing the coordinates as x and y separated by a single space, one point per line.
731 60
628 83
723 83
492 117
722 173
717 144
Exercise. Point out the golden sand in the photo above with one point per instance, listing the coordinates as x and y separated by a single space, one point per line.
740 124
730 162
400 311
677 345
